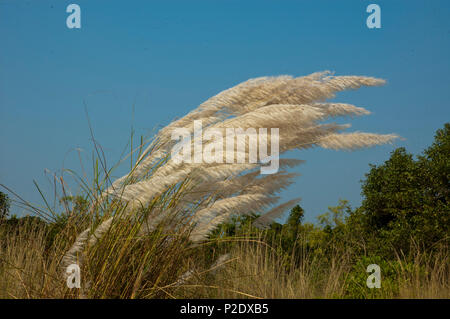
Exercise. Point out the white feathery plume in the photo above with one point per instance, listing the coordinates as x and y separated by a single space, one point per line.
209 218
215 191
339 109
356 140
230 205
251 95
264 220
100 231
71 256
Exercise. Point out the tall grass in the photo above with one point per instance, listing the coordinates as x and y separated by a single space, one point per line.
143 235
255 269
125 266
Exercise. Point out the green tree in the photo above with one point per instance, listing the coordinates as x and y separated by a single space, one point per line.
293 223
5 204
408 199
336 215
75 204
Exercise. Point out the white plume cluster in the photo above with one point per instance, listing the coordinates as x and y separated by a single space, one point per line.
204 195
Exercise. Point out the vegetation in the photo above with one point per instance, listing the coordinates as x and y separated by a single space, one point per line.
170 230
4 205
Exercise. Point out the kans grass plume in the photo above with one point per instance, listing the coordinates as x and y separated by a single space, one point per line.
195 198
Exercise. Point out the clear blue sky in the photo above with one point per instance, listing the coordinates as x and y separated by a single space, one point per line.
166 57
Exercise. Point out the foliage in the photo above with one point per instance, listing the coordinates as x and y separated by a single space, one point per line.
356 280
408 199
4 205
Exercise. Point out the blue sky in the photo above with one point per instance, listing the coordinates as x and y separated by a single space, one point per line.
166 57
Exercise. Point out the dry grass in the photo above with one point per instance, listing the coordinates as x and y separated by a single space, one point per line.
428 277
255 269
124 265
26 271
